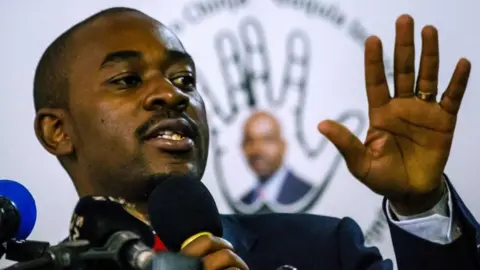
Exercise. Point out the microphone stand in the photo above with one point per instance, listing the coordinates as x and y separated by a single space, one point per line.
33 264
55 257
75 254
25 250
123 247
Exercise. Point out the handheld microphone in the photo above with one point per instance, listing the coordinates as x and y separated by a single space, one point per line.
18 211
117 235
182 210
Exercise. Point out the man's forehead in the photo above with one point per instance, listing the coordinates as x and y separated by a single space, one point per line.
262 125
128 32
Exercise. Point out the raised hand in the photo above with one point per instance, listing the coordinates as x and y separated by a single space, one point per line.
410 135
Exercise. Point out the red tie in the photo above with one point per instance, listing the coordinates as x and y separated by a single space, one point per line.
158 245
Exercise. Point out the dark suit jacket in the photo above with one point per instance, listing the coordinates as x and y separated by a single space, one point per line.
293 189
311 242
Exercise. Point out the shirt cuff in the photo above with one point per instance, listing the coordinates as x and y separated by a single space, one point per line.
434 225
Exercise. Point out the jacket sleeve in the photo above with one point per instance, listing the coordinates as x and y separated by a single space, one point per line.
413 252
353 254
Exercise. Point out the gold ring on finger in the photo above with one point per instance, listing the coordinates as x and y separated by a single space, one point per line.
426 96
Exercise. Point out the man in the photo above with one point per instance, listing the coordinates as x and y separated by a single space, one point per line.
264 149
116 103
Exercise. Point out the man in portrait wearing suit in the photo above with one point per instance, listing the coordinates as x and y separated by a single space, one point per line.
264 149
116 102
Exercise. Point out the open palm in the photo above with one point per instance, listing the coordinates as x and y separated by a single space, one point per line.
409 138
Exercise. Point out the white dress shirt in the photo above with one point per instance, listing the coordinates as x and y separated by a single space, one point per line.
270 189
435 225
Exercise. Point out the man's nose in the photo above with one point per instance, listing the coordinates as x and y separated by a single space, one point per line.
254 149
166 95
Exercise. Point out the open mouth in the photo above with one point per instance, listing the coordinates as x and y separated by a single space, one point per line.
171 135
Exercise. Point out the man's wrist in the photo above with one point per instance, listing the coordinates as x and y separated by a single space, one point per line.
416 205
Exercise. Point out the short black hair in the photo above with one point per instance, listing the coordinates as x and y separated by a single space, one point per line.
51 84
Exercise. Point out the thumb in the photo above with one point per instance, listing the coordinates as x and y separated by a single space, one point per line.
351 148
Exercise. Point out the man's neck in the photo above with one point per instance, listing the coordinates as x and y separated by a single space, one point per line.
265 178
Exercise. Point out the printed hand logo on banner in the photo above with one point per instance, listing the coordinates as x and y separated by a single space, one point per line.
250 95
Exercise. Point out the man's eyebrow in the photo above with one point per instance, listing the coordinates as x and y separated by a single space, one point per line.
174 57
120 56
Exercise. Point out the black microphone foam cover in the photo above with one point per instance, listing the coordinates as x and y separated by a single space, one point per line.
96 218
181 208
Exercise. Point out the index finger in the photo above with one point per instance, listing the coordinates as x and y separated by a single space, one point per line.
404 59
375 79
452 97
224 259
205 245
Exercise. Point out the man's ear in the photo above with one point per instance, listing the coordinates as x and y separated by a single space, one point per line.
51 131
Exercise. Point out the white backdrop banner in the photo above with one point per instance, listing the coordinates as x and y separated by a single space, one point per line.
299 60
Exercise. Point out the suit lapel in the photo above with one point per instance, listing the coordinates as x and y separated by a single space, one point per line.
241 238
285 191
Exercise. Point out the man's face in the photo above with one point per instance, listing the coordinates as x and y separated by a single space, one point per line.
135 113
263 145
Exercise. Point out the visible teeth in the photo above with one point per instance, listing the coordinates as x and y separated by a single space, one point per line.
170 135
177 137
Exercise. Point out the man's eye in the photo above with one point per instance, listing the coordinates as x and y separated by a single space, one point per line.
184 81
128 81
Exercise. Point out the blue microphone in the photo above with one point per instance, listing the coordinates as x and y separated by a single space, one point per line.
18 211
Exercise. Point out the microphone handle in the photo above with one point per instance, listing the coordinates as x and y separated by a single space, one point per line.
128 251
175 261
193 238
123 247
